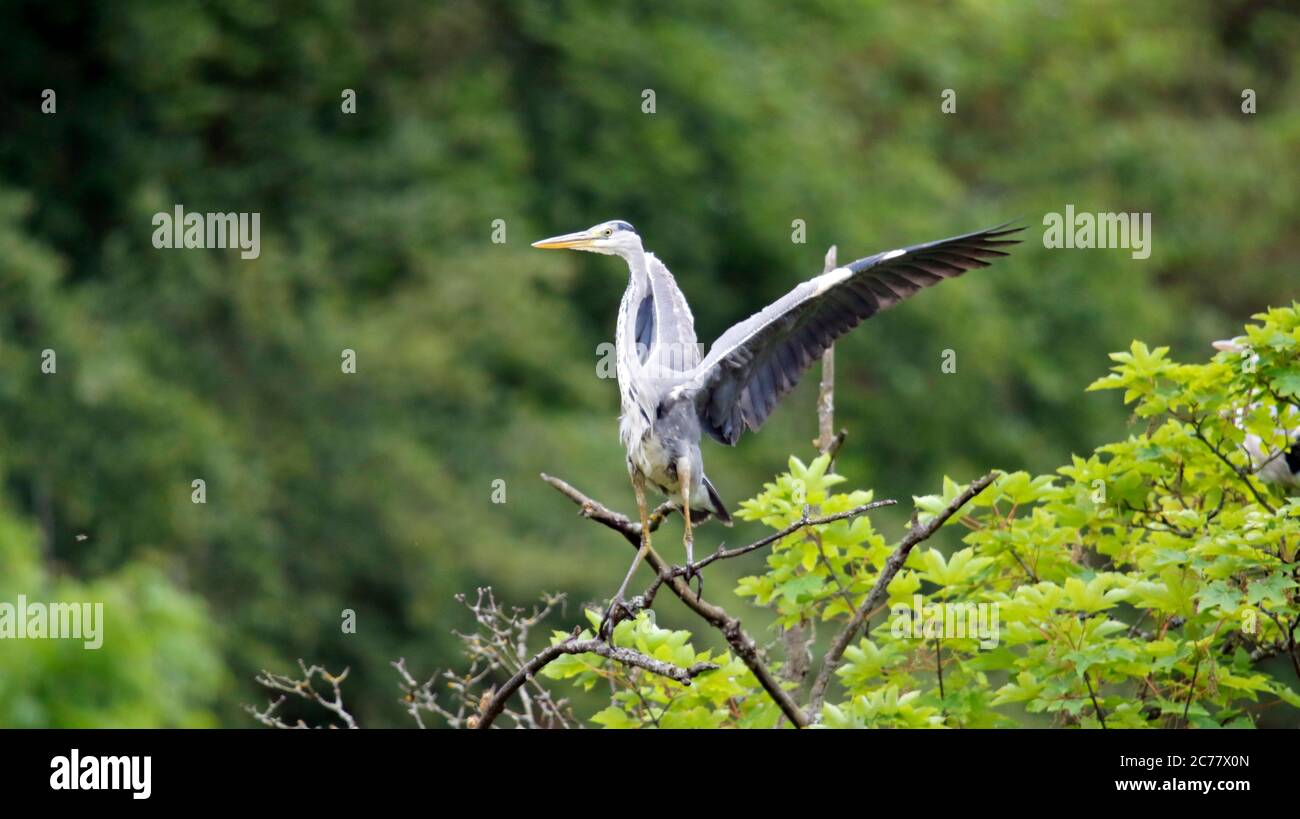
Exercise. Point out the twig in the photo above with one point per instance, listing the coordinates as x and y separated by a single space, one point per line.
1191 691
892 566
938 666
1032 575
1101 716
302 688
572 645
1238 471
422 696
830 570
804 521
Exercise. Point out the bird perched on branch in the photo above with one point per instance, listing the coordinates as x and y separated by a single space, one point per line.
1278 467
671 395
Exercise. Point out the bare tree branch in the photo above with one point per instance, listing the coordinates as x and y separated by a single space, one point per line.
917 534
798 641
422 696
499 645
305 689
826 438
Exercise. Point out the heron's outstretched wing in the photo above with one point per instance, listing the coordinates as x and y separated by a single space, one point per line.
665 328
760 359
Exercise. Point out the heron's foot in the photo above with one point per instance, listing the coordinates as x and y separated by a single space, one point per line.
617 612
688 573
606 629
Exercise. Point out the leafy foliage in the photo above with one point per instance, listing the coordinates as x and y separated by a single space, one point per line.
725 697
1144 585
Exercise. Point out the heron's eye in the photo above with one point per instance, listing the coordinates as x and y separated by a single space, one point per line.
609 232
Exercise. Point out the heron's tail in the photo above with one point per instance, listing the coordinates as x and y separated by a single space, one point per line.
719 508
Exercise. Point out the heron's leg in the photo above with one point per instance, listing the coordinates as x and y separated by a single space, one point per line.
688 538
684 477
607 623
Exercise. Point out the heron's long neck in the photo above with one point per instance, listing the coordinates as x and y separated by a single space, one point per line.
637 273
628 362
638 285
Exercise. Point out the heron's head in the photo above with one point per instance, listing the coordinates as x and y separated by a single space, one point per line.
613 238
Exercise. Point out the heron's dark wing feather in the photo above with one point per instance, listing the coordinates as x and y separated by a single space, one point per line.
644 329
757 361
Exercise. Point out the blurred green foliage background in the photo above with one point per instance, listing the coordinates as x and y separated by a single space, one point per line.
477 361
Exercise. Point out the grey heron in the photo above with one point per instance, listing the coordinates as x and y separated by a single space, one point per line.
671 395
1278 467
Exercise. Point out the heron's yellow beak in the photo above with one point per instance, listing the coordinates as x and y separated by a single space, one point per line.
580 239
